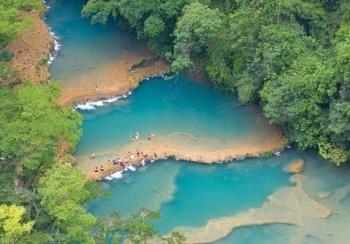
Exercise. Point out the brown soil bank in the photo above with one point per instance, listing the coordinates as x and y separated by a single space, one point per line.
111 79
31 50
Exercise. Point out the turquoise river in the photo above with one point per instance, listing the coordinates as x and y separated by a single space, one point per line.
241 201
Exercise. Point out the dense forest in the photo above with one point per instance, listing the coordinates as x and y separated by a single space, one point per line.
291 56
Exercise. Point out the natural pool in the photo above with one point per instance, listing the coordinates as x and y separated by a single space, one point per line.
184 114
85 46
202 119
188 194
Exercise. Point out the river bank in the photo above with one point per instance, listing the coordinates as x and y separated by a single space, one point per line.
32 50
111 79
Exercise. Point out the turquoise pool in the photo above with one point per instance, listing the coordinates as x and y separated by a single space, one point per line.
189 194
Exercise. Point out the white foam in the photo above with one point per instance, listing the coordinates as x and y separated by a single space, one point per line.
117 175
51 59
111 100
91 105
57 45
96 103
132 168
108 178
84 106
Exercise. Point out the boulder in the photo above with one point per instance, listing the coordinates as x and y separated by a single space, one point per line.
295 166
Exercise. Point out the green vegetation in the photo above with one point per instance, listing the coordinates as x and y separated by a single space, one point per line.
12 23
41 194
291 56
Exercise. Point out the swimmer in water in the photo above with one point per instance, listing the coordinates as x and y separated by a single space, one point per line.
150 136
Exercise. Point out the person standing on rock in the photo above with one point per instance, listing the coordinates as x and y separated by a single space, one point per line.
97 91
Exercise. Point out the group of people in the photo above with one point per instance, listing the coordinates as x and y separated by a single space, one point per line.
101 169
141 158
136 136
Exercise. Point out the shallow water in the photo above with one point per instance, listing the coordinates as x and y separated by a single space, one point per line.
85 47
181 111
265 234
178 105
188 194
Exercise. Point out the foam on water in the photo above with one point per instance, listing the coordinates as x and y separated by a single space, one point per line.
93 104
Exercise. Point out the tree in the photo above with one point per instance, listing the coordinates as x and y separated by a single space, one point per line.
63 189
138 227
32 125
194 32
11 223
298 99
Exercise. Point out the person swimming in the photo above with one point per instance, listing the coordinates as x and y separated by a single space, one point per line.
151 136
135 137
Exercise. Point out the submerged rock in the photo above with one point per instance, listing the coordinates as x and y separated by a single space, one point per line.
322 195
295 166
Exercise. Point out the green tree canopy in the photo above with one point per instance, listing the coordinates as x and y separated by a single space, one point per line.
12 226
63 189
12 23
195 31
32 125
